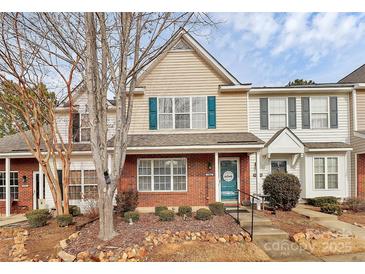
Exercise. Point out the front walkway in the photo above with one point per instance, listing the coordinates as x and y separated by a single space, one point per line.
13 219
331 222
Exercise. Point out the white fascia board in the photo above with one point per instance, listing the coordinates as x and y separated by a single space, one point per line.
235 88
195 147
329 149
300 90
360 86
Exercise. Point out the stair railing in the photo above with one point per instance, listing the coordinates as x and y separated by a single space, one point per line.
252 199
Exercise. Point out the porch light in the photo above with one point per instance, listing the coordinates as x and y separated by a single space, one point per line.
24 180
107 177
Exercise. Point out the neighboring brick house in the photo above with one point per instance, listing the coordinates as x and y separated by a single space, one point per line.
198 134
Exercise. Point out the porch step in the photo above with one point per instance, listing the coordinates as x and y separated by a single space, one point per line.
245 220
267 232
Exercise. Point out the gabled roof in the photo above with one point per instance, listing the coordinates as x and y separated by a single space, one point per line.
284 141
357 76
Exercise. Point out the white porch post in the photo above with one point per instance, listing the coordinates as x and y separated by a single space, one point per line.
258 169
41 197
7 187
216 171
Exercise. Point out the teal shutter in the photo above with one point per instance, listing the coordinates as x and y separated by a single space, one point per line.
305 113
333 112
153 112
264 113
292 113
211 112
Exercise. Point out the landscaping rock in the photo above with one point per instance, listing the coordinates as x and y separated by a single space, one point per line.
63 244
66 257
84 255
222 240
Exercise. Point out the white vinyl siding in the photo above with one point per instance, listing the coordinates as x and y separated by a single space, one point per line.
162 175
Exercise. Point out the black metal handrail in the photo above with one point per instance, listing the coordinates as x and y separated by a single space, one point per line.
252 201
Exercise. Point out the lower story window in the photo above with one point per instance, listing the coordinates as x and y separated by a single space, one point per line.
83 185
326 173
162 175
14 186
278 166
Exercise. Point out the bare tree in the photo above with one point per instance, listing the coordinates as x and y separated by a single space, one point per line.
26 58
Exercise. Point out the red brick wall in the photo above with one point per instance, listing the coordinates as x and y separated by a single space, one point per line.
25 167
361 176
201 188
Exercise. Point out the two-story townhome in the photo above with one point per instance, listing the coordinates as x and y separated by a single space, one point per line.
197 135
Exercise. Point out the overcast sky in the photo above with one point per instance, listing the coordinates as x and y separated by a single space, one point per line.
274 48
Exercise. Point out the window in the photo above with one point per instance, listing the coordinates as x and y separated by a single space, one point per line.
162 175
80 127
326 173
319 112
14 185
83 184
278 166
278 112
182 112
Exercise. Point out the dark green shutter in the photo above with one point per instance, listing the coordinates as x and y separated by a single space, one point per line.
211 112
305 113
153 112
59 174
76 127
333 112
264 113
292 107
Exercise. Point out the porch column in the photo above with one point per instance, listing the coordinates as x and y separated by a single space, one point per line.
7 187
40 174
216 171
258 169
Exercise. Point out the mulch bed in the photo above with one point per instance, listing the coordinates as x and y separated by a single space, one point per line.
134 234
353 217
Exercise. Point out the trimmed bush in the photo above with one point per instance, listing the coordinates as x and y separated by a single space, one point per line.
185 210
126 201
64 220
216 208
355 204
134 215
158 209
331 209
44 211
320 201
283 190
203 214
74 210
36 219
166 215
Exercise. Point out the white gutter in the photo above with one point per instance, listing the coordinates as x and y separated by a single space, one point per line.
235 88
328 149
300 89
354 109
195 147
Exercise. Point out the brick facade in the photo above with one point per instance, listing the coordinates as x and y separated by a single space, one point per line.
361 176
25 167
201 180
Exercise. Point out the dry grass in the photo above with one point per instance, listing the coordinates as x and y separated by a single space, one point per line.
206 252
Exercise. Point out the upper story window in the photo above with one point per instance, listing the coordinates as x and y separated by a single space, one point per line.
278 113
182 112
319 112
80 127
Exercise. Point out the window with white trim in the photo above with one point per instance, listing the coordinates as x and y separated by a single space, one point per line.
319 112
325 173
14 185
83 184
182 112
162 175
278 113
84 127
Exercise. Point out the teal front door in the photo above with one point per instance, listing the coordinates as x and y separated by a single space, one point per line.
228 177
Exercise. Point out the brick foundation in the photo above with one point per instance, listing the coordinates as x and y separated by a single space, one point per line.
361 176
201 188
25 167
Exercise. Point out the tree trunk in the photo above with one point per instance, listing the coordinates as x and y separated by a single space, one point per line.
106 227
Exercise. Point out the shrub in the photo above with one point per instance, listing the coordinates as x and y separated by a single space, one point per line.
320 201
91 209
355 204
64 220
185 210
74 210
166 215
126 201
331 209
38 217
203 214
158 209
216 208
134 215
283 190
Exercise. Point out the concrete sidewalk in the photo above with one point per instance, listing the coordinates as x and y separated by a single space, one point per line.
13 219
356 257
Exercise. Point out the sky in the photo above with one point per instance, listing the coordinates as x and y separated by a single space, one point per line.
271 49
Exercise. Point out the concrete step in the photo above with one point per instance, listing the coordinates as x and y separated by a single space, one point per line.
245 219
265 232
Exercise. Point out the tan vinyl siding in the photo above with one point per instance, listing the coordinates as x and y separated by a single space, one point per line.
185 73
360 102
